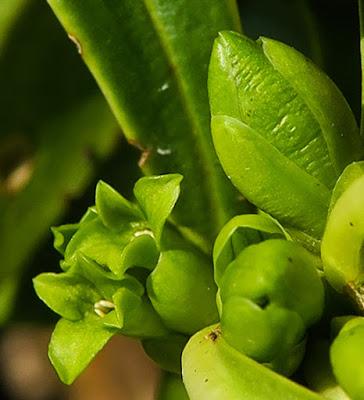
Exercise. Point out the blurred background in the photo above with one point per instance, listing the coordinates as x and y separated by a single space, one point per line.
58 138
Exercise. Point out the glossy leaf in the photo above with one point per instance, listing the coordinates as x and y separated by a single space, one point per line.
157 196
154 78
270 294
253 228
347 349
270 180
74 344
212 370
341 248
292 109
350 174
182 290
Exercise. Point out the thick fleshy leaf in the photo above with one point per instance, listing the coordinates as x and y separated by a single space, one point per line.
157 196
141 251
238 233
114 210
68 295
350 174
342 243
275 92
325 101
137 316
270 180
212 370
182 290
74 344
150 59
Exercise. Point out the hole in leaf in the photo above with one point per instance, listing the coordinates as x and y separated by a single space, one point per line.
262 302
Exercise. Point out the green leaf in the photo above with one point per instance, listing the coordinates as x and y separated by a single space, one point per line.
342 243
238 233
213 370
66 294
114 210
299 115
107 248
182 290
157 196
106 282
137 316
270 180
351 173
62 235
325 101
150 58
74 344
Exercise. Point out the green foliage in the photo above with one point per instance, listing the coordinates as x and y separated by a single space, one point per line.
346 356
180 256
282 130
154 84
270 294
213 370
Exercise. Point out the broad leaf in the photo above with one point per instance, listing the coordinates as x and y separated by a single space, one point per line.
74 344
270 180
66 294
150 59
289 107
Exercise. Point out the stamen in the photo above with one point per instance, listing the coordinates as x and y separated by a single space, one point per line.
144 232
103 307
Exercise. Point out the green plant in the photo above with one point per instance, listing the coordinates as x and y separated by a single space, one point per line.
186 258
